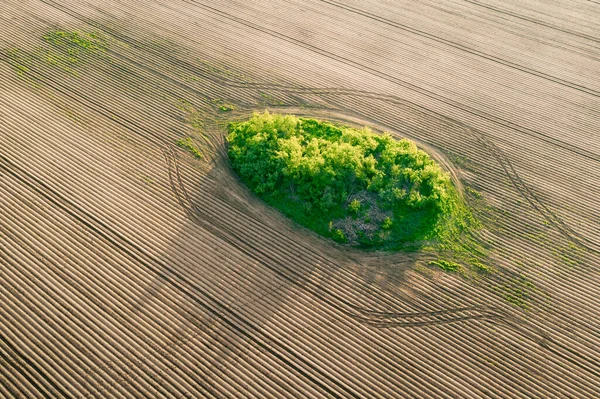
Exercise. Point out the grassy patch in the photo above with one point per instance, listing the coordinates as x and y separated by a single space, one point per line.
222 106
518 291
267 99
192 115
351 185
65 50
188 144
68 49
226 107
446 265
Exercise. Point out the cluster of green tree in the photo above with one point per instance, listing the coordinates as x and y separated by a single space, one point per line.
311 169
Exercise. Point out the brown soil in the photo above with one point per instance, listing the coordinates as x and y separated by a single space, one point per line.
130 268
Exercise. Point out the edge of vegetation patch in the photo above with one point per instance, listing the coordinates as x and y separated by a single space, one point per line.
351 185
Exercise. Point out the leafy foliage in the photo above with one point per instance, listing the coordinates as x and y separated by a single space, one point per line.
447 265
315 172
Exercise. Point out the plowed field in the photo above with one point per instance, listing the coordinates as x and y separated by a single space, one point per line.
129 268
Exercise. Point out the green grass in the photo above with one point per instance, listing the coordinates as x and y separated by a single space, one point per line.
226 107
188 144
518 291
65 50
447 265
267 99
350 185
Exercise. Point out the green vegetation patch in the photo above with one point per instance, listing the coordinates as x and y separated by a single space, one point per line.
62 49
68 49
351 185
188 144
447 265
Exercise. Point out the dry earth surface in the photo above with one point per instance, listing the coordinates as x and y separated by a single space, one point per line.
131 269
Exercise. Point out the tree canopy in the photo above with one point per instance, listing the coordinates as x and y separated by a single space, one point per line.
349 184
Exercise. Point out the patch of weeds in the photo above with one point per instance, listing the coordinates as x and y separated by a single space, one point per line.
68 49
223 107
446 265
192 115
188 144
481 266
518 291
21 62
473 192
267 99
570 254
463 162
226 107
63 49
75 43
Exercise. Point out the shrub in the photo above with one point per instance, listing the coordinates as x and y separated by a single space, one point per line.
387 223
354 206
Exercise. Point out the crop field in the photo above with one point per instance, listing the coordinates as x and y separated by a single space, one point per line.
134 263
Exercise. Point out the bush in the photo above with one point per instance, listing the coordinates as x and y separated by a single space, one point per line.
354 206
309 168
387 224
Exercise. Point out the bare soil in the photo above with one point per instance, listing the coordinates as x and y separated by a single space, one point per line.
130 268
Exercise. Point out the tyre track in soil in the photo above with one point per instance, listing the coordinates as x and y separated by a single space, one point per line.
358 313
545 341
545 215
390 319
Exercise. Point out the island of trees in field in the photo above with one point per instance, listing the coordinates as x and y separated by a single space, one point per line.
352 185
